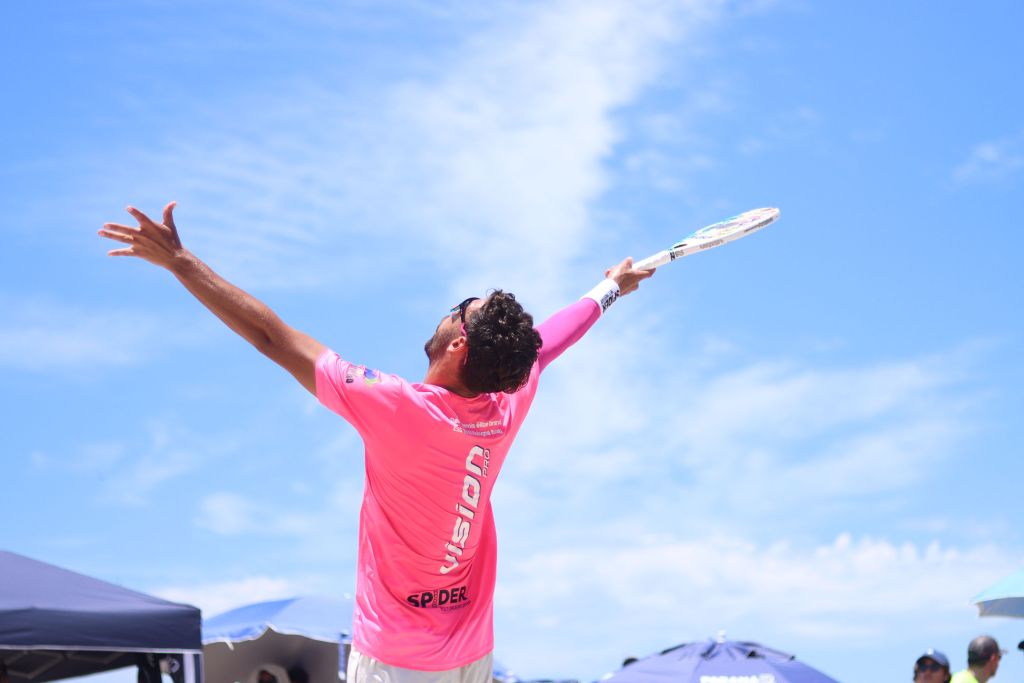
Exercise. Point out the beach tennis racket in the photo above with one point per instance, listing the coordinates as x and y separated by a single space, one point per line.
712 236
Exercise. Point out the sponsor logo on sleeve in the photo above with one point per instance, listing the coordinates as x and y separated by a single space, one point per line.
369 376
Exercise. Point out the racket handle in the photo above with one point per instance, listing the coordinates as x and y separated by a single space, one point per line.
659 259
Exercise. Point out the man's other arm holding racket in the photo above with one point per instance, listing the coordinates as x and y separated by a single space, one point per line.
159 244
627 277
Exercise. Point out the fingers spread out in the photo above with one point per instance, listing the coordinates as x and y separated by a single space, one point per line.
148 240
121 228
119 233
126 234
169 214
142 218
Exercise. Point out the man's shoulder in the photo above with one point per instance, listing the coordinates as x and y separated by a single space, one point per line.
965 676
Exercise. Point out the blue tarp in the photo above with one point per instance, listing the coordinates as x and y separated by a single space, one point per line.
55 623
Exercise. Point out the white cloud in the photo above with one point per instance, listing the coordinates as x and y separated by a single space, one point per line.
992 161
46 337
226 513
865 578
646 594
491 160
328 509
643 502
131 474
801 126
214 598
515 137
133 484
100 456
41 336
698 441
231 514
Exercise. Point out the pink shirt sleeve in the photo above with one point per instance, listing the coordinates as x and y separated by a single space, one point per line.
565 328
366 398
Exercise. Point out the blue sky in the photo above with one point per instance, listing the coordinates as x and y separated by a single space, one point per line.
810 438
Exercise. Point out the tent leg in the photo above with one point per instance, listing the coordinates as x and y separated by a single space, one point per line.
193 665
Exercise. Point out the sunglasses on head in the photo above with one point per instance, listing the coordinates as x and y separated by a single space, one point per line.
461 307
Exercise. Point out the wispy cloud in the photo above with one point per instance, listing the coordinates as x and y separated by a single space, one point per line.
47 336
131 473
643 593
797 127
755 440
322 503
39 335
220 596
226 513
992 161
232 514
669 504
492 159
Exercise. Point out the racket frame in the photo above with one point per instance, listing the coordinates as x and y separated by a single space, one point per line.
690 245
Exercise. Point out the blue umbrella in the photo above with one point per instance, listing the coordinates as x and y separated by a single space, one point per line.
502 674
319 618
308 632
285 633
719 661
1003 599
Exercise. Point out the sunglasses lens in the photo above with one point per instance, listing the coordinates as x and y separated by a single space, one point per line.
460 308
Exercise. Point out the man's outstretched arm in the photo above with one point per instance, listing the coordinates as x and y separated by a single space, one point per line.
245 314
566 327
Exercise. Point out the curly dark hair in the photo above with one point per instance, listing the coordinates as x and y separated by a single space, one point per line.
503 346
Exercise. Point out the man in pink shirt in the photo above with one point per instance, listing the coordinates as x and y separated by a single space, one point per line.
427 544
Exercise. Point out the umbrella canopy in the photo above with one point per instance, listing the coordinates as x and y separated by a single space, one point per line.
1003 599
719 661
308 632
55 623
503 674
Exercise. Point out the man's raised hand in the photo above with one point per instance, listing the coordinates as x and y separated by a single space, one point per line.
157 243
627 277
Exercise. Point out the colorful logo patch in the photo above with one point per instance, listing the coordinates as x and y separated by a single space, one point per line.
369 376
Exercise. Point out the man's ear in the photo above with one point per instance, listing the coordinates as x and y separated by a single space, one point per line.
457 344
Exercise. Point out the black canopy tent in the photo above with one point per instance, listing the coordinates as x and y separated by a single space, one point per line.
56 624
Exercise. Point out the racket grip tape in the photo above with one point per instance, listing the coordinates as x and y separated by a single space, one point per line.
659 259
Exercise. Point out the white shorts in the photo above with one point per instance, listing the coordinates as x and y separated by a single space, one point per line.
365 669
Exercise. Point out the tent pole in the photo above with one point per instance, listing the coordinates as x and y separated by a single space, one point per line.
189 662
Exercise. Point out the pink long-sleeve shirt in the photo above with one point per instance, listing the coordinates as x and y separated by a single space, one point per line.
427 545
